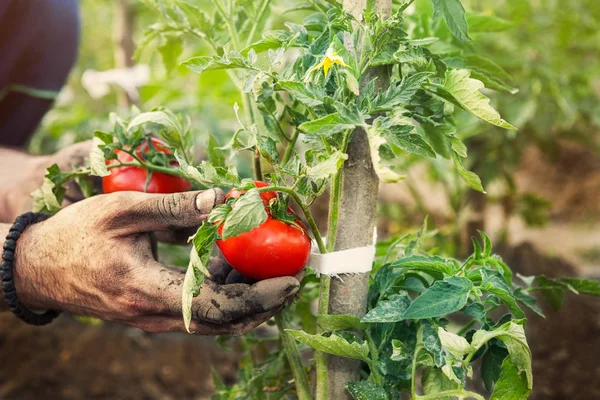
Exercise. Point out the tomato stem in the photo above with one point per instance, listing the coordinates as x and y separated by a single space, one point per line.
293 356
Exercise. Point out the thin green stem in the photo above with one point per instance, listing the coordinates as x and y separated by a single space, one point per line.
466 327
229 22
293 356
413 389
150 167
374 356
289 150
261 13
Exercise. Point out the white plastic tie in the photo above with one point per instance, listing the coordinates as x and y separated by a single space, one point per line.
358 260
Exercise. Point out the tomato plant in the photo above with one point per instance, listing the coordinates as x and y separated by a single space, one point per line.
341 102
139 179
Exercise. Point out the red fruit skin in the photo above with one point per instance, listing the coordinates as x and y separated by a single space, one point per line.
270 250
265 196
134 178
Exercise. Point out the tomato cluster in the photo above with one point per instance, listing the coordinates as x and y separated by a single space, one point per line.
270 250
133 178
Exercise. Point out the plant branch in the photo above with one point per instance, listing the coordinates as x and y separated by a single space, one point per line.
261 13
289 150
293 356
450 393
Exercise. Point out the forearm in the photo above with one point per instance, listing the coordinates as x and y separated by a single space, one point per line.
20 174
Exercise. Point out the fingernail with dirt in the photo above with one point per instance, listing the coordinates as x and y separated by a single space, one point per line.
205 201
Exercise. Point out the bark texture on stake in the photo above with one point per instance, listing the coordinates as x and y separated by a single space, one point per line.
124 45
356 223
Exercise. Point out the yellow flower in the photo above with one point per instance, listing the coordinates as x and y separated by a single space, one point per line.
331 58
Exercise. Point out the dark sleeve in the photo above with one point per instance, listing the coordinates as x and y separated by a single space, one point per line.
38 47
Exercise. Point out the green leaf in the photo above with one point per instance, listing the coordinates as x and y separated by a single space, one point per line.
165 119
512 385
327 167
442 298
454 15
469 177
458 146
454 344
529 301
554 289
400 351
475 310
465 92
248 212
491 365
487 23
170 50
333 344
215 155
191 286
432 343
97 160
487 71
435 381
400 94
513 336
327 126
365 390
331 322
301 92
376 140
270 40
508 299
202 64
391 310
433 264
268 148
410 142
45 198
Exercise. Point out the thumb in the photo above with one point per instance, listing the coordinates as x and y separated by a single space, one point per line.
161 212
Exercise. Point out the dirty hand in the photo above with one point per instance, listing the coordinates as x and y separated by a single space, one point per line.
27 174
95 258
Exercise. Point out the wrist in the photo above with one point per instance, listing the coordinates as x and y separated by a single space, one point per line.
30 284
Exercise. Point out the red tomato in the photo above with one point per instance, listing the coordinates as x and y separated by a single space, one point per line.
134 178
265 196
270 250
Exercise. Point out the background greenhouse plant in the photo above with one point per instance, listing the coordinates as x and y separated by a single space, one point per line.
396 80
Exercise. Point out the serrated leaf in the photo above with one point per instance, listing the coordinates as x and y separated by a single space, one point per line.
202 64
424 263
335 322
156 117
327 167
365 390
401 93
512 384
327 125
465 91
469 177
442 298
333 344
454 344
454 15
410 142
215 155
458 146
191 287
302 93
170 50
391 310
248 212
97 160
475 310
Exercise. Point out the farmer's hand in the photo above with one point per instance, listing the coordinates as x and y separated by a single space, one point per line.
94 258
22 173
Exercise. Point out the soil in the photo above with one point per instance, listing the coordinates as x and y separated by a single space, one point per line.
565 345
73 360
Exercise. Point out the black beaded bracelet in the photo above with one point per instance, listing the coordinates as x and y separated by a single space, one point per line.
6 270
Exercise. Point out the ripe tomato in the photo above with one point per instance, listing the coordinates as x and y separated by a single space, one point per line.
270 250
134 178
265 196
